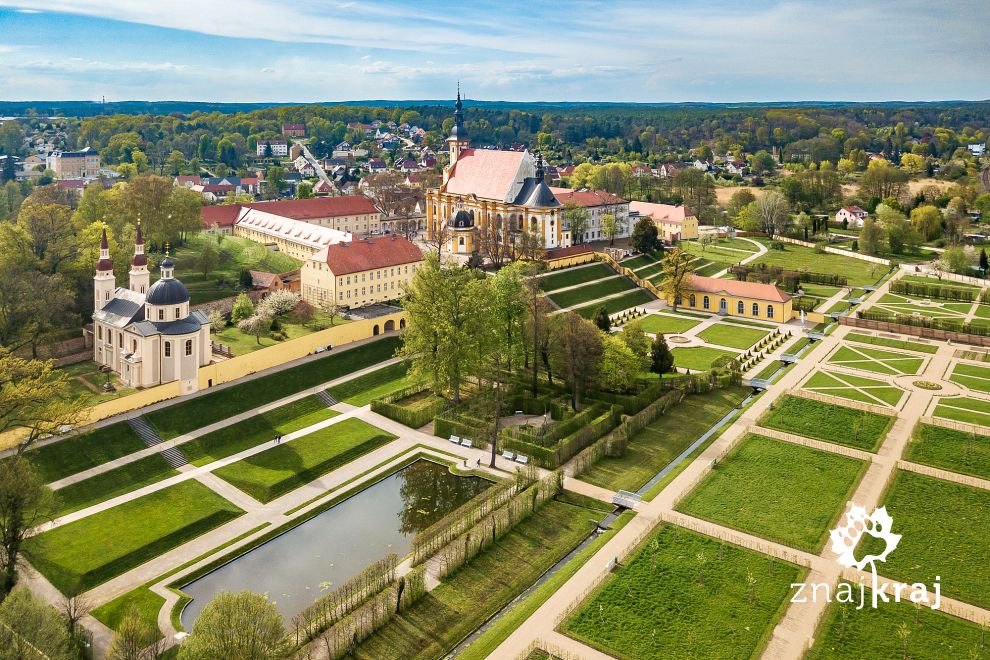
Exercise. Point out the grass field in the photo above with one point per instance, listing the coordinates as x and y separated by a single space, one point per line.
854 388
617 304
60 459
664 324
796 257
110 484
662 441
241 342
891 343
777 490
638 261
957 451
877 360
90 551
829 422
574 297
931 281
573 276
86 381
971 376
256 430
964 409
732 335
698 358
896 630
944 529
236 254
685 595
362 390
288 466
488 582
177 419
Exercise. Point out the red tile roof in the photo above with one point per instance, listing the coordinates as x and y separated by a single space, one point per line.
262 279
662 212
487 173
187 178
321 207
369 254
221 216
752 290
585 197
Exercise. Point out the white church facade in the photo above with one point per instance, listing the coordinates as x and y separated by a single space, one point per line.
145 333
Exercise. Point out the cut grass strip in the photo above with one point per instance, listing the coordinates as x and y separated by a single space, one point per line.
574 297
88 552
63 458
876 360
829 422
668 325
698 358
854 388
949 449
617 304
288 466
891 343
113 483
732 335
362 390
573 276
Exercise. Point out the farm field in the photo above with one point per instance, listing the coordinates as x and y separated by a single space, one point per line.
660 603
854 388
777 490
949 449
828 422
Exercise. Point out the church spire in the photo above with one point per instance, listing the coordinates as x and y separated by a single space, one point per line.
540 173
104 264
140 278
458 139
104 283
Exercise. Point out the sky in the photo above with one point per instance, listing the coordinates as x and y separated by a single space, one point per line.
568 50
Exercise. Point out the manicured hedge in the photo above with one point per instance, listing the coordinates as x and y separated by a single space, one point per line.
932 291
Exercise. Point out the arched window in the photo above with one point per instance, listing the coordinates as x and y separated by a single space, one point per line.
756 309
189 346
706 302
740 307
692 300
769 311
168 349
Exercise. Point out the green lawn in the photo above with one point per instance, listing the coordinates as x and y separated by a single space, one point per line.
668 325
778 490
819 290
86 381
931 281
362 390
887 363
617 304
971 376
649 271
958 451
583 294
848 633
891 343
483 586
829 422
573 276
145 601
95 549
180 418
854 388
964 409
698 358
110 484
732 335
796 257
685 595
84 451
944 529
241 342
236 254
662 441
639 261
256 430
288 466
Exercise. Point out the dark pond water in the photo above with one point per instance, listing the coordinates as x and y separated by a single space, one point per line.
339 543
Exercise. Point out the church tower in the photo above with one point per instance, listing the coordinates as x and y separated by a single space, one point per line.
140 277
458 140
104 283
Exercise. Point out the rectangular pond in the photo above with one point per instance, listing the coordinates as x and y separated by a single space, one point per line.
297 567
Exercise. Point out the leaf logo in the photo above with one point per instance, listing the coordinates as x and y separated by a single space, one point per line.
845 538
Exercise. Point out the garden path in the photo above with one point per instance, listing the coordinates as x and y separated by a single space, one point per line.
761 249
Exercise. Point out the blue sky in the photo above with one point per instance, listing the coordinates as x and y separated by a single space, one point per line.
578 50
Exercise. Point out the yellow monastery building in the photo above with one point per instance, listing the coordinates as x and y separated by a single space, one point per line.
484 189
674 222
734 298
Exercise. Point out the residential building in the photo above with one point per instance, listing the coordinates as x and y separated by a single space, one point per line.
668 170
735 167
734 298
361 272
674 222
82 164
598 203
294 130
219 219
851 216
348 213
145 333
978 150
279 148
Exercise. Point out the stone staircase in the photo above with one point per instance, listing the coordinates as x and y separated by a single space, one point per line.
327 398
150 437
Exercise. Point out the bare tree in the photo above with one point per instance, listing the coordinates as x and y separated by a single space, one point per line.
494 240
386 192
73 607
438 238
330 307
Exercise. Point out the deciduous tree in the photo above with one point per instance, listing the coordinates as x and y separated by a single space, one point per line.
645 236
661 358
241 625
25 501
575 352
676 269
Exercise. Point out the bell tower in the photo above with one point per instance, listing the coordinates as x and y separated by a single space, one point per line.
458 140
104 283
140 277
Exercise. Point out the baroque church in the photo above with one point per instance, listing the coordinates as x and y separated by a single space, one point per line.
145 333
490 192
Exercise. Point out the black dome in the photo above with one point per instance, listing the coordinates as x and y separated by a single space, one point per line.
462 220
167 292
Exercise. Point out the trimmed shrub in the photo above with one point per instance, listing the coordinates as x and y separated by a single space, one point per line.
932 291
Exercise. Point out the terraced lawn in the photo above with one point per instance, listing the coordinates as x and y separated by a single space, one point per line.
971 376
877 360
732 335
288 466
574 276
854 388
113 483
828 422
777 490
668 325
964 409
91 551
949 449
899 344
63 458
362 390
639 261
685 595
573 297
698 358
617 304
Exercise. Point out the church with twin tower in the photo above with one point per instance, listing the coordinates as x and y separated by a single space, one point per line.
145 332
